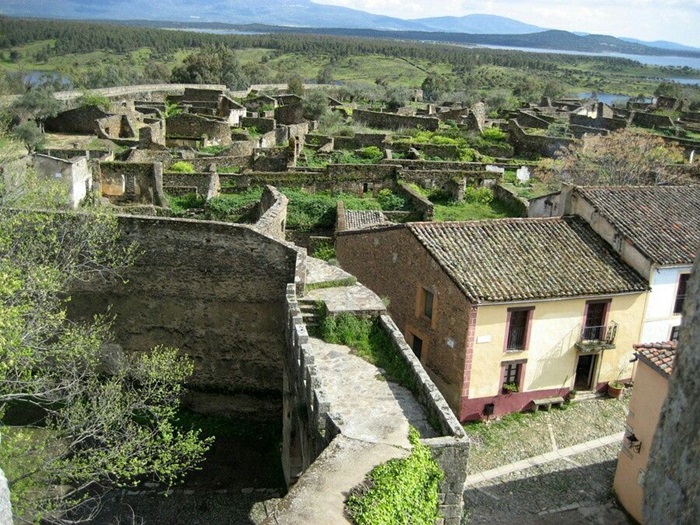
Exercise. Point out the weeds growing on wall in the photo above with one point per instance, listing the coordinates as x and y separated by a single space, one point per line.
182 167
370 342
400 491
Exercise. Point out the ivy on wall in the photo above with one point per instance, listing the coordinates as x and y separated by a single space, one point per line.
400 491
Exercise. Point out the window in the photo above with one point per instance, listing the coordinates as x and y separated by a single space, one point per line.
517 332
512 375
417 346
675 333
680 293
428 304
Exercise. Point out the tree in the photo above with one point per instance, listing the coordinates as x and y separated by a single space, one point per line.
295 86
625 157
211 65
30 134
39 103
315 104
103 418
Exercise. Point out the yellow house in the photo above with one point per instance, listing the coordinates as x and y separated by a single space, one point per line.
655 365
504 312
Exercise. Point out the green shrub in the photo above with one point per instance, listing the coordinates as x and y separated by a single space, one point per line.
372 153
494 134
325 252
390 201
478 195
400 491
182 167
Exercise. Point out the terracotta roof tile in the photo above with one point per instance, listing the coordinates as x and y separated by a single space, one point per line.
663 222
526 259
660 356
362 219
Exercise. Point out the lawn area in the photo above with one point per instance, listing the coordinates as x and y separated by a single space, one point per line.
471 211
524 435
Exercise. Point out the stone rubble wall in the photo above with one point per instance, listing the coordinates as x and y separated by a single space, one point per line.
272 214
310 424
216 292
451 450
375 119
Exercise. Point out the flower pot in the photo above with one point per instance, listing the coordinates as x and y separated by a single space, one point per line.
615 391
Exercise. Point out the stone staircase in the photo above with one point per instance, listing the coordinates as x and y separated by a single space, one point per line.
310 312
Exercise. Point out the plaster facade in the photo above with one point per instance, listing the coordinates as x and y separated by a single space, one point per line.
650 390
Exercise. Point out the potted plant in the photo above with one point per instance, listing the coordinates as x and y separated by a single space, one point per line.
571 395
509 388
615 389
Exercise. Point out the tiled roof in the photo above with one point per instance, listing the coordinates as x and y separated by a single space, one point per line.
362 219
662 222
526 259
659 356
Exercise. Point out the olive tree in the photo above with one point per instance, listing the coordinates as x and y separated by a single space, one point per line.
100 417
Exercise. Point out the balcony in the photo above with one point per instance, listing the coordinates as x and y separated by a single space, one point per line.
596 338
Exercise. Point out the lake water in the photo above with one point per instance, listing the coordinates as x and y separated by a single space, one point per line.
644 59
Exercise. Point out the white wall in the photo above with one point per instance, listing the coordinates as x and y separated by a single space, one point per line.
659 317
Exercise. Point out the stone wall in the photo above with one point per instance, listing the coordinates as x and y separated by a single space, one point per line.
671 483
422 205
128 182
290 114
610 124
337 177
78 120
362 140
529 120
451 450
263 125
116 127
444 151
272 214
188 126
215 291
651 121
174 182
311 423
526 143
505 195
152 135
308 424
377 120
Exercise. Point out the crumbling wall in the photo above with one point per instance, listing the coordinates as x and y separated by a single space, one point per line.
421 204
78 120
263 125
215 291
272 213
362 140
128 182
651 121
525 143
291 114
377 120
188 126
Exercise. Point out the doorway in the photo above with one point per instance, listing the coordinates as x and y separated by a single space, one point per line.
585 371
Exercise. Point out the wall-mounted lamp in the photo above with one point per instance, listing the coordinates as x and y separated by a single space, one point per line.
633 443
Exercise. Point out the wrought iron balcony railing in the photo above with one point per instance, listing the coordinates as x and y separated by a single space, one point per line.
597 337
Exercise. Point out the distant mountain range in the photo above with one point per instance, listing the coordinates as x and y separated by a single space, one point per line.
298 14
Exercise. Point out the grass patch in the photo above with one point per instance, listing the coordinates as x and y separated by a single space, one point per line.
520 436
400 491
371 343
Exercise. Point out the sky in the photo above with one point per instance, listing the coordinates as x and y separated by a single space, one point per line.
648 20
